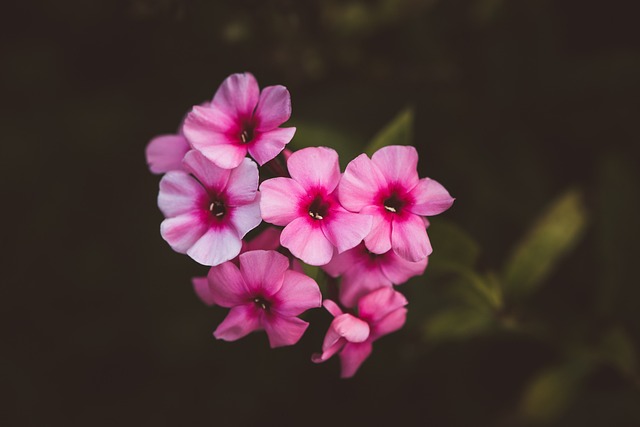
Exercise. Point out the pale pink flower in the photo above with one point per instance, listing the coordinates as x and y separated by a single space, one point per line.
262 294
164 153
307 206
388 188
362 272
379 313
241 119
209 212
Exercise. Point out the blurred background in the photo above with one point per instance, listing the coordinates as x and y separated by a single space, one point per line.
526 111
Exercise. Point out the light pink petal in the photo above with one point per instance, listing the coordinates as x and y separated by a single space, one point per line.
227 286
284 330
341 263
378 240
226 156
350 328
212 176
360 184
179 194
307 242
376 305
243 183
359 282
409 238
240 322
431 198
274 107
390 323
183 231
238 95
345 230
246 217
201 288
398 270
315 167
165 152
279 200
269 144
298 294
216 246
263 271
332 307
352 356
398 164
269 239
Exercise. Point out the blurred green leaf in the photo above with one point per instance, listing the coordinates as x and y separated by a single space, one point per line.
554 234
618 349
451 245
457 323
397 132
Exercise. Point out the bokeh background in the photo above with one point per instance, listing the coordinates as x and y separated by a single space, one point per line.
516 106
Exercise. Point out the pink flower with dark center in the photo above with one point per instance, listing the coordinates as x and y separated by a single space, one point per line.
262 294
363 271
307 206
241 120
209 212
388 188
379 313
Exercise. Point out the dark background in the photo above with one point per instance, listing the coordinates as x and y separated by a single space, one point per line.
514 103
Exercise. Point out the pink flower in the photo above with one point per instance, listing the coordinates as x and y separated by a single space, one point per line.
387 187
379 313
262 294
363 271
307 205
164 153
241 119
208 212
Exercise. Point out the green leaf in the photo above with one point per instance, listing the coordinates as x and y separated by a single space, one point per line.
397 132
554 234
457 323
618 349
451 245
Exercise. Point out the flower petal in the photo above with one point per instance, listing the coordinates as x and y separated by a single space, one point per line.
179 194
279 200
352 356
238 95
398 164
398 270
409 238
360 184
390 323
315 167
246 217
284 331
263 271
242 185
183 231
350 328
240 322
165 152
212 176
298 294
227 286
345 230
332 307
274 107
216 246
201 288
268 239
343 262
307 242
375 306
431 198
378 240
329 352
269 144
359 282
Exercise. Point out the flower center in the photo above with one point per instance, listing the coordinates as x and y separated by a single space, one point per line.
246 135
217 209
318 209
393 203
262 303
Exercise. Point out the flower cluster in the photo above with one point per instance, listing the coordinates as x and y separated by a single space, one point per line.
366 227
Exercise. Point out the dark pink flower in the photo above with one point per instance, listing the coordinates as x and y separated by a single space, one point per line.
362 272
379 313
209 212
262 294
241 119
307 206
388 188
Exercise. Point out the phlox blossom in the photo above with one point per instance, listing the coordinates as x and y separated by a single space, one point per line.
387 187
263 293
241 120
379 313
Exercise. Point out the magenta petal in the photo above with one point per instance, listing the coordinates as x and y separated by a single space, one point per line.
359 282
227 286
431 198
307 242
378 240
398 164
183 231
360 183
269 144
352 356
165 152
376 305
240 322
179 194
345 230
350 328
279 200
269 239
315 167
216 246
284 330
298 294
263 271
243 183
398 270
246 217
237 95
409 238
201 288
341 263
212 176
332 307
390 323
329 352
274 107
